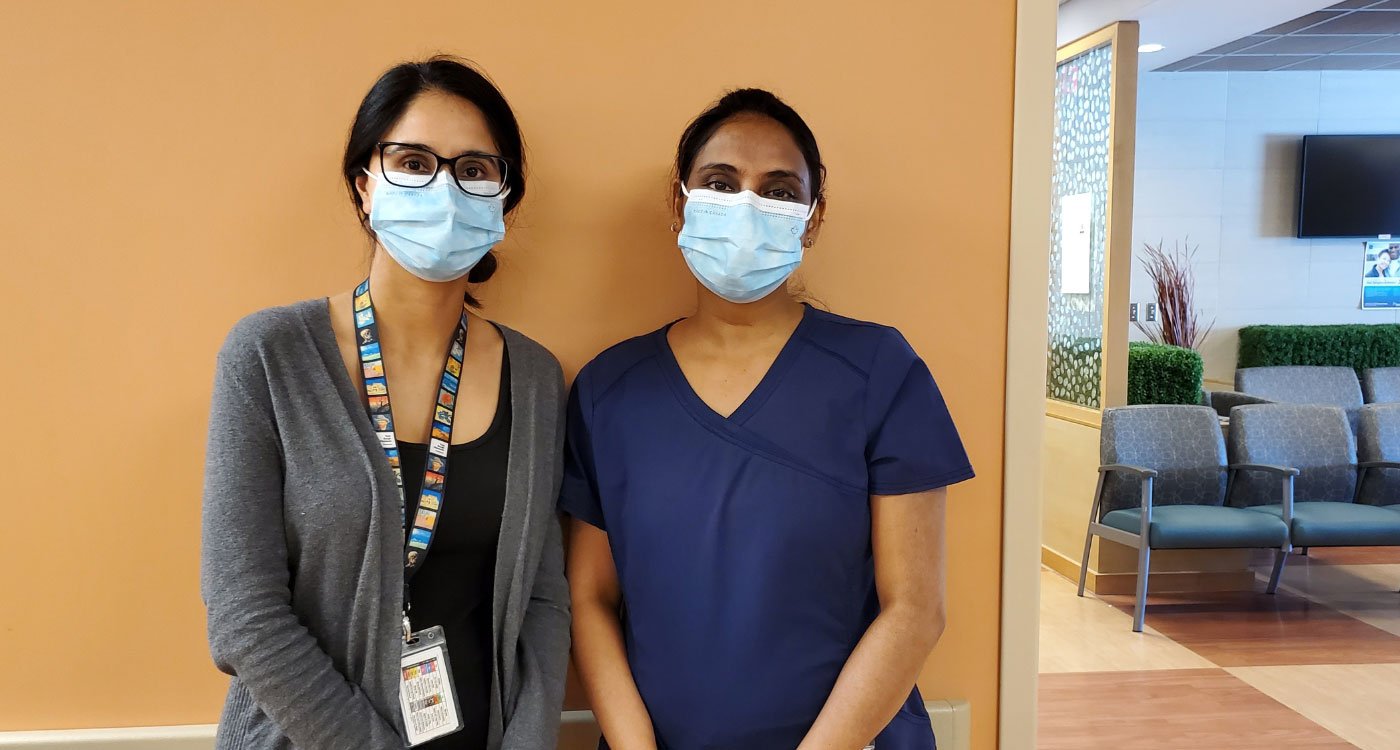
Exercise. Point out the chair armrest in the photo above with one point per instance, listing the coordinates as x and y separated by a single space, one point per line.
1379 465
1136 471
1285 473
1282 471
1224 401
1144 476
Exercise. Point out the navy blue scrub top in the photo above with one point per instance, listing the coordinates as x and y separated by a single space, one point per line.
742 544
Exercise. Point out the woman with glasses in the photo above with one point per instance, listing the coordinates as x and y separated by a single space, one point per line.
381 573
757 490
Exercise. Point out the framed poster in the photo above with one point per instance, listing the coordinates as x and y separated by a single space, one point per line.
1076 251
1380 276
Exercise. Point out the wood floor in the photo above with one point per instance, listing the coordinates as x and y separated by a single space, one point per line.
1170 709
1315 666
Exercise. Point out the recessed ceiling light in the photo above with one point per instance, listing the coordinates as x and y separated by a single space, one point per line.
1151 48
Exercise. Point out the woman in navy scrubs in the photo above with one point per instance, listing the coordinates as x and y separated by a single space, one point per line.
757 491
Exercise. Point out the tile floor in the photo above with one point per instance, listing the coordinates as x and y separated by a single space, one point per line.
1315 666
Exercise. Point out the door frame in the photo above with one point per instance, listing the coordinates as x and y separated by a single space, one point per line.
1026 336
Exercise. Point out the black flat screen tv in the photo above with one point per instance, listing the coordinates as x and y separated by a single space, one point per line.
1350 186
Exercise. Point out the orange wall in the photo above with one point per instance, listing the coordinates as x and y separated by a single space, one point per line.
171 166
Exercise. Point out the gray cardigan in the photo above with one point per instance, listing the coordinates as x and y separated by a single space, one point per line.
302 563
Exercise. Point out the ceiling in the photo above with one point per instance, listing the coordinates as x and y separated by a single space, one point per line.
1186 28
1351 35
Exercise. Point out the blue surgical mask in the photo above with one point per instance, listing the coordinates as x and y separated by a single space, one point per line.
437 232
739 245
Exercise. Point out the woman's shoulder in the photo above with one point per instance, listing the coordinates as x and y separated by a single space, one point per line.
863 343
614 362
281 330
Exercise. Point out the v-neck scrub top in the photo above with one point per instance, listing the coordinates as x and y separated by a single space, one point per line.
742 544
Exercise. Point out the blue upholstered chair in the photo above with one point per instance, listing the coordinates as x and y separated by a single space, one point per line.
1381 385
1298 463
1331 386
1378 447
1162 486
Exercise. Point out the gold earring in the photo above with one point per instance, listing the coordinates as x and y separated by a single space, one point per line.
808 243
674 229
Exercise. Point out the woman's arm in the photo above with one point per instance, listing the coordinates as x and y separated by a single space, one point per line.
542 655
253 633
599 653
907 539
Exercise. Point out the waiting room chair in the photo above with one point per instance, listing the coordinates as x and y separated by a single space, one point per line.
1298 463
1162 486
1378 447
1332 386
1381 385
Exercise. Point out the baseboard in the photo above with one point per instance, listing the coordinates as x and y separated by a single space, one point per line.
190 737
1181 582
1168 582
952 724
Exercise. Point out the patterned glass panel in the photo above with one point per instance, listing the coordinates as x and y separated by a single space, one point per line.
1083 96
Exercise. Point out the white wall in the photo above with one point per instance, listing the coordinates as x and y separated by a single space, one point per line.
1217 160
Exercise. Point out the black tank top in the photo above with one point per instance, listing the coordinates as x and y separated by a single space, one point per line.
453 588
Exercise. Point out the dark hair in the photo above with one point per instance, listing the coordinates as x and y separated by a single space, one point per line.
756 102
395 91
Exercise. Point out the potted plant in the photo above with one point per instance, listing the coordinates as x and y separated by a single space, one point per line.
1174 283
1169 369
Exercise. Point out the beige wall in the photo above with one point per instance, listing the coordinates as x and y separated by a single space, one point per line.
1071 455
172 166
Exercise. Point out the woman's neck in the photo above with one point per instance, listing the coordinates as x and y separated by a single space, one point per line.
738 324
414 316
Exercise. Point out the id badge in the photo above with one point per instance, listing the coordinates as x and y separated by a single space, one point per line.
426 697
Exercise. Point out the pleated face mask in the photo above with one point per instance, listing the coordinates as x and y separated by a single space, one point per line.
438 232
739 245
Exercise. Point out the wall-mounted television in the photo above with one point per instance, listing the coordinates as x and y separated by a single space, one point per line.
1350 186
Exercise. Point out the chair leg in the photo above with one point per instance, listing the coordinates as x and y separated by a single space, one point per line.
1084 561
1140 609
1280 557
1089 533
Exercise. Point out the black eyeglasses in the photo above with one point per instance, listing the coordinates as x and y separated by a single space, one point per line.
413 166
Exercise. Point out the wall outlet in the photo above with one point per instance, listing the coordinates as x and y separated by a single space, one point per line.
1151 311
1132 312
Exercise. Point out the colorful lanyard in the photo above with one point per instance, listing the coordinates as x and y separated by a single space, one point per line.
419 536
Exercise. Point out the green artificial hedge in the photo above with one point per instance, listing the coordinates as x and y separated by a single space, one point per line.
1162 374
1359 345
